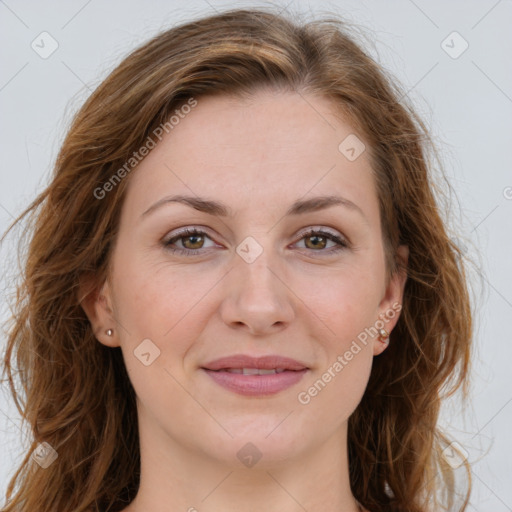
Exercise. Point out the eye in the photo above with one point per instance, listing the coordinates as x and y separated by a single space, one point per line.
317 240
192 240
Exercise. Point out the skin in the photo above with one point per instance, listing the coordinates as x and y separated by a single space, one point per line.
298 299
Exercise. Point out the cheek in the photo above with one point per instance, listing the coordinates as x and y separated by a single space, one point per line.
164 308
333 391
345 301
152 297
167 304
349 310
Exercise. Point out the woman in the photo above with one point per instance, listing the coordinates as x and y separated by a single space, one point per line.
239 291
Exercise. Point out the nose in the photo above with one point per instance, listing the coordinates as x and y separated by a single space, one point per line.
257 299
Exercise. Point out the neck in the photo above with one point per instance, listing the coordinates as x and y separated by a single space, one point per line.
177 477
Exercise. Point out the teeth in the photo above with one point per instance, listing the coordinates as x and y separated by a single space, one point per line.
250 371
255 371
267 372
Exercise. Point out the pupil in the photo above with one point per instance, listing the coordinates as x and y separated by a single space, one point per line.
194 237
316 237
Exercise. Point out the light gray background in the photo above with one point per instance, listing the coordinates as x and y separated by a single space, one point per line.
467 103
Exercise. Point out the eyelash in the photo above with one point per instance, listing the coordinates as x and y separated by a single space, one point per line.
342 244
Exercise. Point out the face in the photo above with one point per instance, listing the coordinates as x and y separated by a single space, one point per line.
250 278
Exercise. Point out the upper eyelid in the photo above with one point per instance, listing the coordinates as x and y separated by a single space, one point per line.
184 233
326 229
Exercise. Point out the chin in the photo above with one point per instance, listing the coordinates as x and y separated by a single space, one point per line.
261 442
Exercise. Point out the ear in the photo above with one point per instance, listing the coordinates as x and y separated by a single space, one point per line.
97 305
391 304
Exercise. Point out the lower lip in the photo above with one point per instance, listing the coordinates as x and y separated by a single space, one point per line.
254 385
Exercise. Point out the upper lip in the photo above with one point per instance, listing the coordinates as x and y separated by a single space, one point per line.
263 363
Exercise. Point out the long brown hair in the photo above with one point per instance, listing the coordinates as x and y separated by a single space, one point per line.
75 393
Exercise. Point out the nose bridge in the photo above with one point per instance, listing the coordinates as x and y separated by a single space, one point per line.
256 275
257 294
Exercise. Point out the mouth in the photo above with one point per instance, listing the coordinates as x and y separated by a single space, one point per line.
253 376
243 362
253 371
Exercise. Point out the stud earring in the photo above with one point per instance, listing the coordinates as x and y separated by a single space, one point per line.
109 332
384 336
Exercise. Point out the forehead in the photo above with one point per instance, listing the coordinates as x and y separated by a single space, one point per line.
270 146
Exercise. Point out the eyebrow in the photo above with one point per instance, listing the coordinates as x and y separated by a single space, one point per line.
216 208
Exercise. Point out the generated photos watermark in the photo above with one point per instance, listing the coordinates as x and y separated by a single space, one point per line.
150 143
304 397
